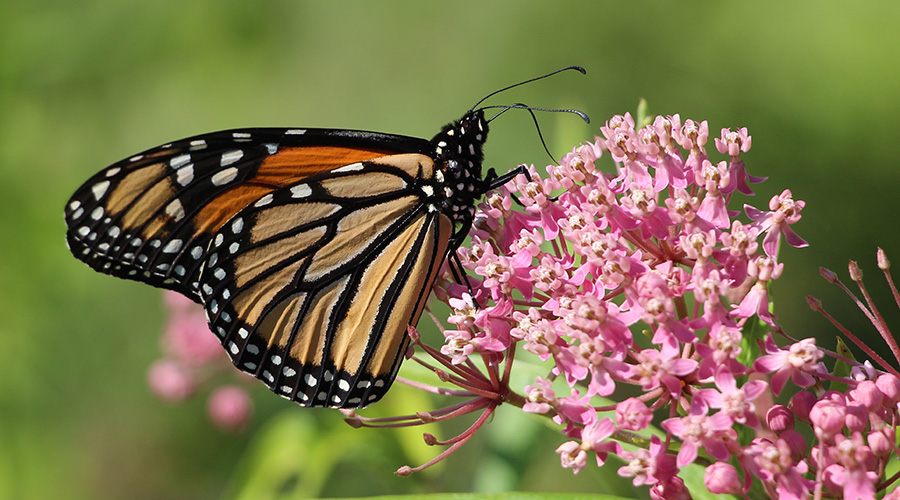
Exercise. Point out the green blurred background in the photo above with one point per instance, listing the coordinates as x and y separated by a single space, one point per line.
86 83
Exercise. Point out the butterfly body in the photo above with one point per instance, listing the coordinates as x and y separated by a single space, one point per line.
311 250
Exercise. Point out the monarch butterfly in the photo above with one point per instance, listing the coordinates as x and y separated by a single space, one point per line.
311 250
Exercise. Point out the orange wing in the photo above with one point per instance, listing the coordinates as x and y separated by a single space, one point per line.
150 217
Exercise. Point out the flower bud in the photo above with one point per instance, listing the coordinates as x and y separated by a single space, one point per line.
867 394
672 489
796 443
889 385
722 478
857 417
779 418
801 403
827 417
880 443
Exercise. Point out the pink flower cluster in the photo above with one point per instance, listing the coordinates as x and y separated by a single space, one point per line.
646 296
194 357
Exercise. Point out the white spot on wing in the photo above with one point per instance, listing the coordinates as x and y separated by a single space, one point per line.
301 191
238 225
265 200
99 189
226 175
230 157
175 210
295 131
353 167
185 175
173 246
180 161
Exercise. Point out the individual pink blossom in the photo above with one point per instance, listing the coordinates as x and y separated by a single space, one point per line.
700 431
655 369
540 396
572 456
756 302
798 363
855 461
774 464
713 207
648 466
632 414
784 212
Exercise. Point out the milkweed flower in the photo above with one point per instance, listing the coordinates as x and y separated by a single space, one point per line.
638 272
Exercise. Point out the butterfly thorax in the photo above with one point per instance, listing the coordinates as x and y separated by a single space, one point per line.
458 158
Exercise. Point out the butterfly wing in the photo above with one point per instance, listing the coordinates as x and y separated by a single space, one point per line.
151 217
312 287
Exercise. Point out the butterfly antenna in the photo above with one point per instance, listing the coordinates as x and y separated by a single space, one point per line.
519 105
576 68
537 125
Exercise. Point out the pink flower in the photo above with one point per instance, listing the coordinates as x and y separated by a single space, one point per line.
633 415
170 380
655 368
572 456
701 431
785 211
187 336
798 363
540 397
229 408
648 466
722 478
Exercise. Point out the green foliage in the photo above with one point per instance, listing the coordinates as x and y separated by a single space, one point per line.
83 84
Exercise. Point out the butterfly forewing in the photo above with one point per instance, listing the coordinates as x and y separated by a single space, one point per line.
292 282
151 217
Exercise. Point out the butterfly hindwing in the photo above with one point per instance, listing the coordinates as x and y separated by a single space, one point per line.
311 288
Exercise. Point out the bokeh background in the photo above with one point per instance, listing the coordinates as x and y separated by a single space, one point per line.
86 83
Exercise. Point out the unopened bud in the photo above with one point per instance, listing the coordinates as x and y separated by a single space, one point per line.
828 274
883 263
856 273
